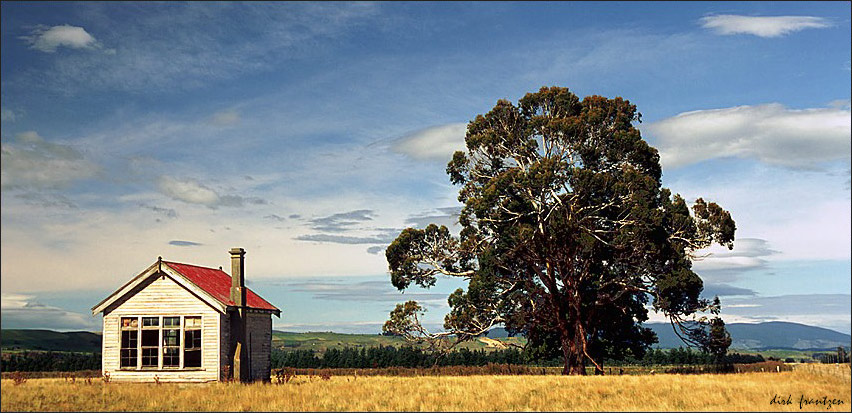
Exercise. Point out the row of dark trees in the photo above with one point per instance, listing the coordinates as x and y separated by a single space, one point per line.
841 356
387 356
50 361
688 356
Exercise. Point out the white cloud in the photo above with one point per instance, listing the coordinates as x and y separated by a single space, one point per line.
763 26
49 39
193 192
803 215
770 133
435 144
22 311
187 190
32 162
215 42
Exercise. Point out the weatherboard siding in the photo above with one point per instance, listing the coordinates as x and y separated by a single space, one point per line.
224 345
163 296
259 330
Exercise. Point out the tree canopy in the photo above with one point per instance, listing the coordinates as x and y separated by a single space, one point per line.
566 235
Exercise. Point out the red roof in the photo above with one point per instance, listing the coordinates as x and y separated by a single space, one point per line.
217 283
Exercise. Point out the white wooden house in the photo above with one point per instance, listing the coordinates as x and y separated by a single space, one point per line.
182 322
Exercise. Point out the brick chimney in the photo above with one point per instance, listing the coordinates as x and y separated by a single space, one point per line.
240 356
238 277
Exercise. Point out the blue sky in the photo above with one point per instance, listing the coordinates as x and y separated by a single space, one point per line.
310 134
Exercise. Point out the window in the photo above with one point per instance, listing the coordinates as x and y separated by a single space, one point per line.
150 348
171 341
192 342
129 341
155 342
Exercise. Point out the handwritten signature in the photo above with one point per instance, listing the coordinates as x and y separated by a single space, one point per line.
806 401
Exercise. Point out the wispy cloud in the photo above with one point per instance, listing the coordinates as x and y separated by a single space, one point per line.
33 162
364 291
193 192
167 212
344 239
23 311
184 46
723 290
437 143
448 216
717 264
771 133
48 39
763 26
187 190
47 200
351 223
342 221
375 250
179 243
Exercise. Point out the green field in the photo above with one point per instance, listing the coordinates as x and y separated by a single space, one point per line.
320 341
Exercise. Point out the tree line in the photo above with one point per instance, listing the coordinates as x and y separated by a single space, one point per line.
389 356
50 361
841 356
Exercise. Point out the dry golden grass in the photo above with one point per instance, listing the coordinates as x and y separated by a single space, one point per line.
740 392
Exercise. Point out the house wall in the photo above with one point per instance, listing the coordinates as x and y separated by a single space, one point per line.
259 342
259 332
224 345
162 296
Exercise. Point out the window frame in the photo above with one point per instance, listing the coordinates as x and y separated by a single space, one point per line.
133 337
184 344
143 323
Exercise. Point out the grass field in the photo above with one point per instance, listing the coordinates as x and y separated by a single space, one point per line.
740 392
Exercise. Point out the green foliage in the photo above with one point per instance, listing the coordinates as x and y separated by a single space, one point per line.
388 356
49 361
719 339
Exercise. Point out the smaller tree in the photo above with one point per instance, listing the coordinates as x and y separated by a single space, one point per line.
842 357
719 340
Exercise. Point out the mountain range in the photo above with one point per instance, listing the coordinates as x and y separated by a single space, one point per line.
775 335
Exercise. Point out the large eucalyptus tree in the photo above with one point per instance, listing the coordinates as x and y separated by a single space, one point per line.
566 233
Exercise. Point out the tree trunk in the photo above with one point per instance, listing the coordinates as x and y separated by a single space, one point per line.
572 348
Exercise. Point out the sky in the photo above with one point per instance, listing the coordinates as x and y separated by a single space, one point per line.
311 134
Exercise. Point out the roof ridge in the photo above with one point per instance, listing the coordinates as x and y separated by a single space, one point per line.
196 266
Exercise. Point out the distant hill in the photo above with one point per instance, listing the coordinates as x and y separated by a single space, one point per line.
761 336
48 340
770 335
